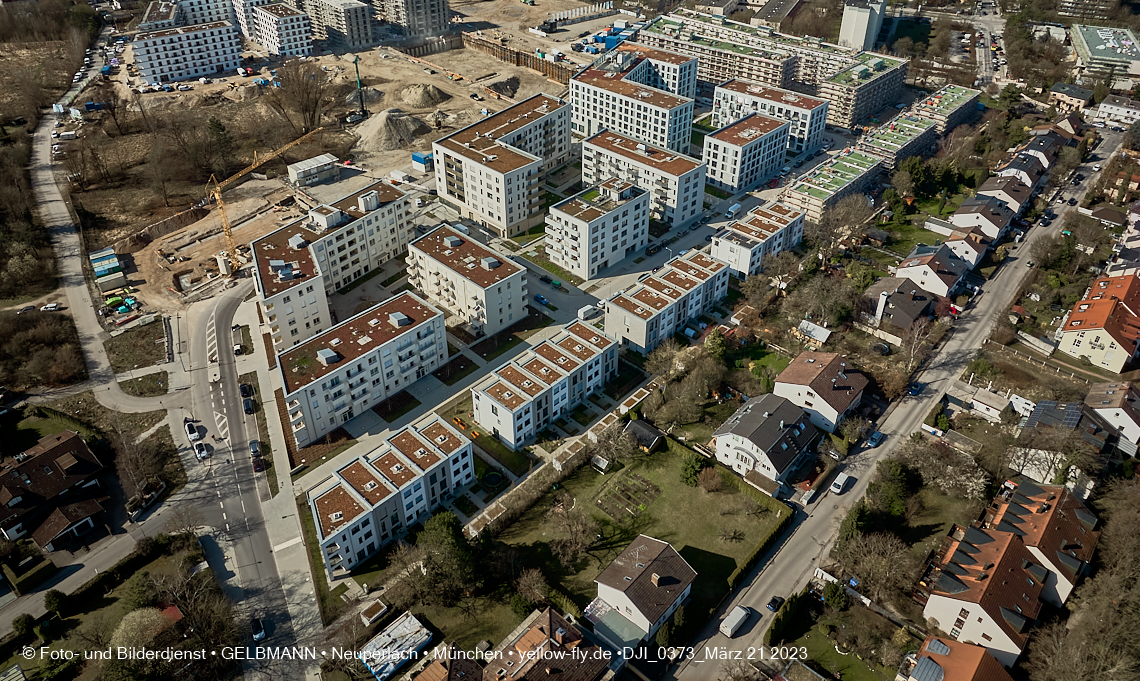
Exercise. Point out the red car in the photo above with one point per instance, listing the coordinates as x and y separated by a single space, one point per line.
258 465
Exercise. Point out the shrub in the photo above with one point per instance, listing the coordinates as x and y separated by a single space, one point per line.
691 468
564 603
836 597
789 612
23 624
521 606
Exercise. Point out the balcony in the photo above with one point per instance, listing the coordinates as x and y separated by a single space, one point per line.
296 416
298 427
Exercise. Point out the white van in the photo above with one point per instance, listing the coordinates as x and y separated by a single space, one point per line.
840 483
733 620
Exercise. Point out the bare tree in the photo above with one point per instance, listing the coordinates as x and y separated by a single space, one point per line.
823 299
903 183
916 342
616 444
853 427
406 563
709 480
953 472
185 519
113 104
881 561
304 94
532 586
579 529
837 224
663 360
738 670
782 268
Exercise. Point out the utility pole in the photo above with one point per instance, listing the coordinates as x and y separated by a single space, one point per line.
359 90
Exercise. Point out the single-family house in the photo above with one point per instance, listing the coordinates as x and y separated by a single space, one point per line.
935 268
1109 217
986 213
890 307
983 587
1071 124
451 664
949 660
1044 148
823 385
764 438
639 591
1025 168
969 247
1055 433
1105 327
1069 97
1009 191
1119 405
1056 526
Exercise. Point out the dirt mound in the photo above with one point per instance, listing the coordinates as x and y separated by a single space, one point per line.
390 129
507 88
243 94
423 96
371 94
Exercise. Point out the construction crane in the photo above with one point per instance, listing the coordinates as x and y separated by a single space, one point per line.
359 90
219 187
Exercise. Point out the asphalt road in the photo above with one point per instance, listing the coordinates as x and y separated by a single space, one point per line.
814 528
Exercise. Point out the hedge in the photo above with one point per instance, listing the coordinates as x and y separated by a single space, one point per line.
49 413
144 553
565 603
787 613
758 550
22 584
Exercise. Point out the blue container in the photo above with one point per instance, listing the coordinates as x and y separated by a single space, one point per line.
420 157
612 41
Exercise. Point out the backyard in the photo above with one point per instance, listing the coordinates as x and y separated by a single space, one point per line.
93 419
142 346
459 416
495 345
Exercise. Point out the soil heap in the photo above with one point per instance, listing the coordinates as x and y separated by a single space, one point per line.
421 96
507 88
389 130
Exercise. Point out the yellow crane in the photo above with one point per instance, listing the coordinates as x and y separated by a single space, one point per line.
219 187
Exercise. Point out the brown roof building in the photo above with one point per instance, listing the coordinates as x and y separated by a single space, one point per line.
545 647
823 384
50 489
452 664
944 659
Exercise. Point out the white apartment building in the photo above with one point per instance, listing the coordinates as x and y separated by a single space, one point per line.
743 154
522 397
862 20
187 52
764 231
204 11
660 305
359 363
823 186
282 30
159 15
372 500
675 182
243 15
491 171
418 17
480 287
345 24
290 288
638 92
598 227
806 116
1119 110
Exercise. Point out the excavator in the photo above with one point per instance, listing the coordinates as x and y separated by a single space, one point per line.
219 187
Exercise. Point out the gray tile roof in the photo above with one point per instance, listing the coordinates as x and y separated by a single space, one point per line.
775 425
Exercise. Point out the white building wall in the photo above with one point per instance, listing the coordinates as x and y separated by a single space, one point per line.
675 199
288 36
1056 588
296 315
188 52
822 414
586 247
1128 428
805 126
488 310
205 11
947 611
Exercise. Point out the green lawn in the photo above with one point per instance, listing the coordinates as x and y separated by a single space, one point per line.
763 358
541 260
151 385
701 432
394 407
329 606
456 369
517 462
905 238
848 667
925 531
142 346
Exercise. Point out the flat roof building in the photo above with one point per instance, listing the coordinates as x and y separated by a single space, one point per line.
509 151
859 91
159 15
1101 50
597 227
525 394
764 231
419 17
1089 10
806 116
643 93
1119 109
243 15
484 290
823 186
282 30
675 182
359 363
660 305
900 138
187 52
949 107
743 154
345 24
862 20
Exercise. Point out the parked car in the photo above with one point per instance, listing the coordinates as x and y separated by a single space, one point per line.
476 97
258 465
545 279
248 406
708 237
914 389
258 629
246 390
541 300
876 439
50 307
237 348
200 451
1072 202
184 88
254 448
775 603
192 431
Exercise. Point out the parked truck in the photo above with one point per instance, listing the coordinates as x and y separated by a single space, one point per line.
733 620
732 211
587 312
106 70
69 135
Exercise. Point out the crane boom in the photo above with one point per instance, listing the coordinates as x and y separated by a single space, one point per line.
219 187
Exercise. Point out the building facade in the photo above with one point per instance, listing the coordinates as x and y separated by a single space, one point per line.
861 90
243 15
372 501
359 363
486 291
187 52
1102 50
743 154
675 182
345 24
597 227
661 304
764 231
1096 10
806 116
900 138
1104 327
823 385
282 30
290 286
862 20
637 92
949 107
419 17
823 186
766 437
204 11
1119 109
492 170
520 398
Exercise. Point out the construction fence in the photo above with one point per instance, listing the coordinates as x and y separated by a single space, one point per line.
558 71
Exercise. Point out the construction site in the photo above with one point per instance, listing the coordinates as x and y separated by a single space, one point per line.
171 246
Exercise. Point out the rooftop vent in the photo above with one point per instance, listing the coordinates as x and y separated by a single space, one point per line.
369 486
336 517
490 263
297 242
327 356
369 201
452 241
398 319
373 322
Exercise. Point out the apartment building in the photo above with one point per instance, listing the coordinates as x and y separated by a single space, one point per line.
1096 10
359 363
243 15
1119 110
806 116
856 83
598 227
1102 50
187 52
522 397
204 11
675 182
418 17
637 92
372 500
484 290
290 287
282 30
962 593
743 154
1105 326
491 171
345 24
949 107
158 16
823 186
661 304
900 138
764 231
861 90
862 20
359 233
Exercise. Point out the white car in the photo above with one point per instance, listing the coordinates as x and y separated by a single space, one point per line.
184 88
1097 167
50 307
192 431
200 451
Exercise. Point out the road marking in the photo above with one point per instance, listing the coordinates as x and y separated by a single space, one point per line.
284 545
224 515
243 505
221 506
